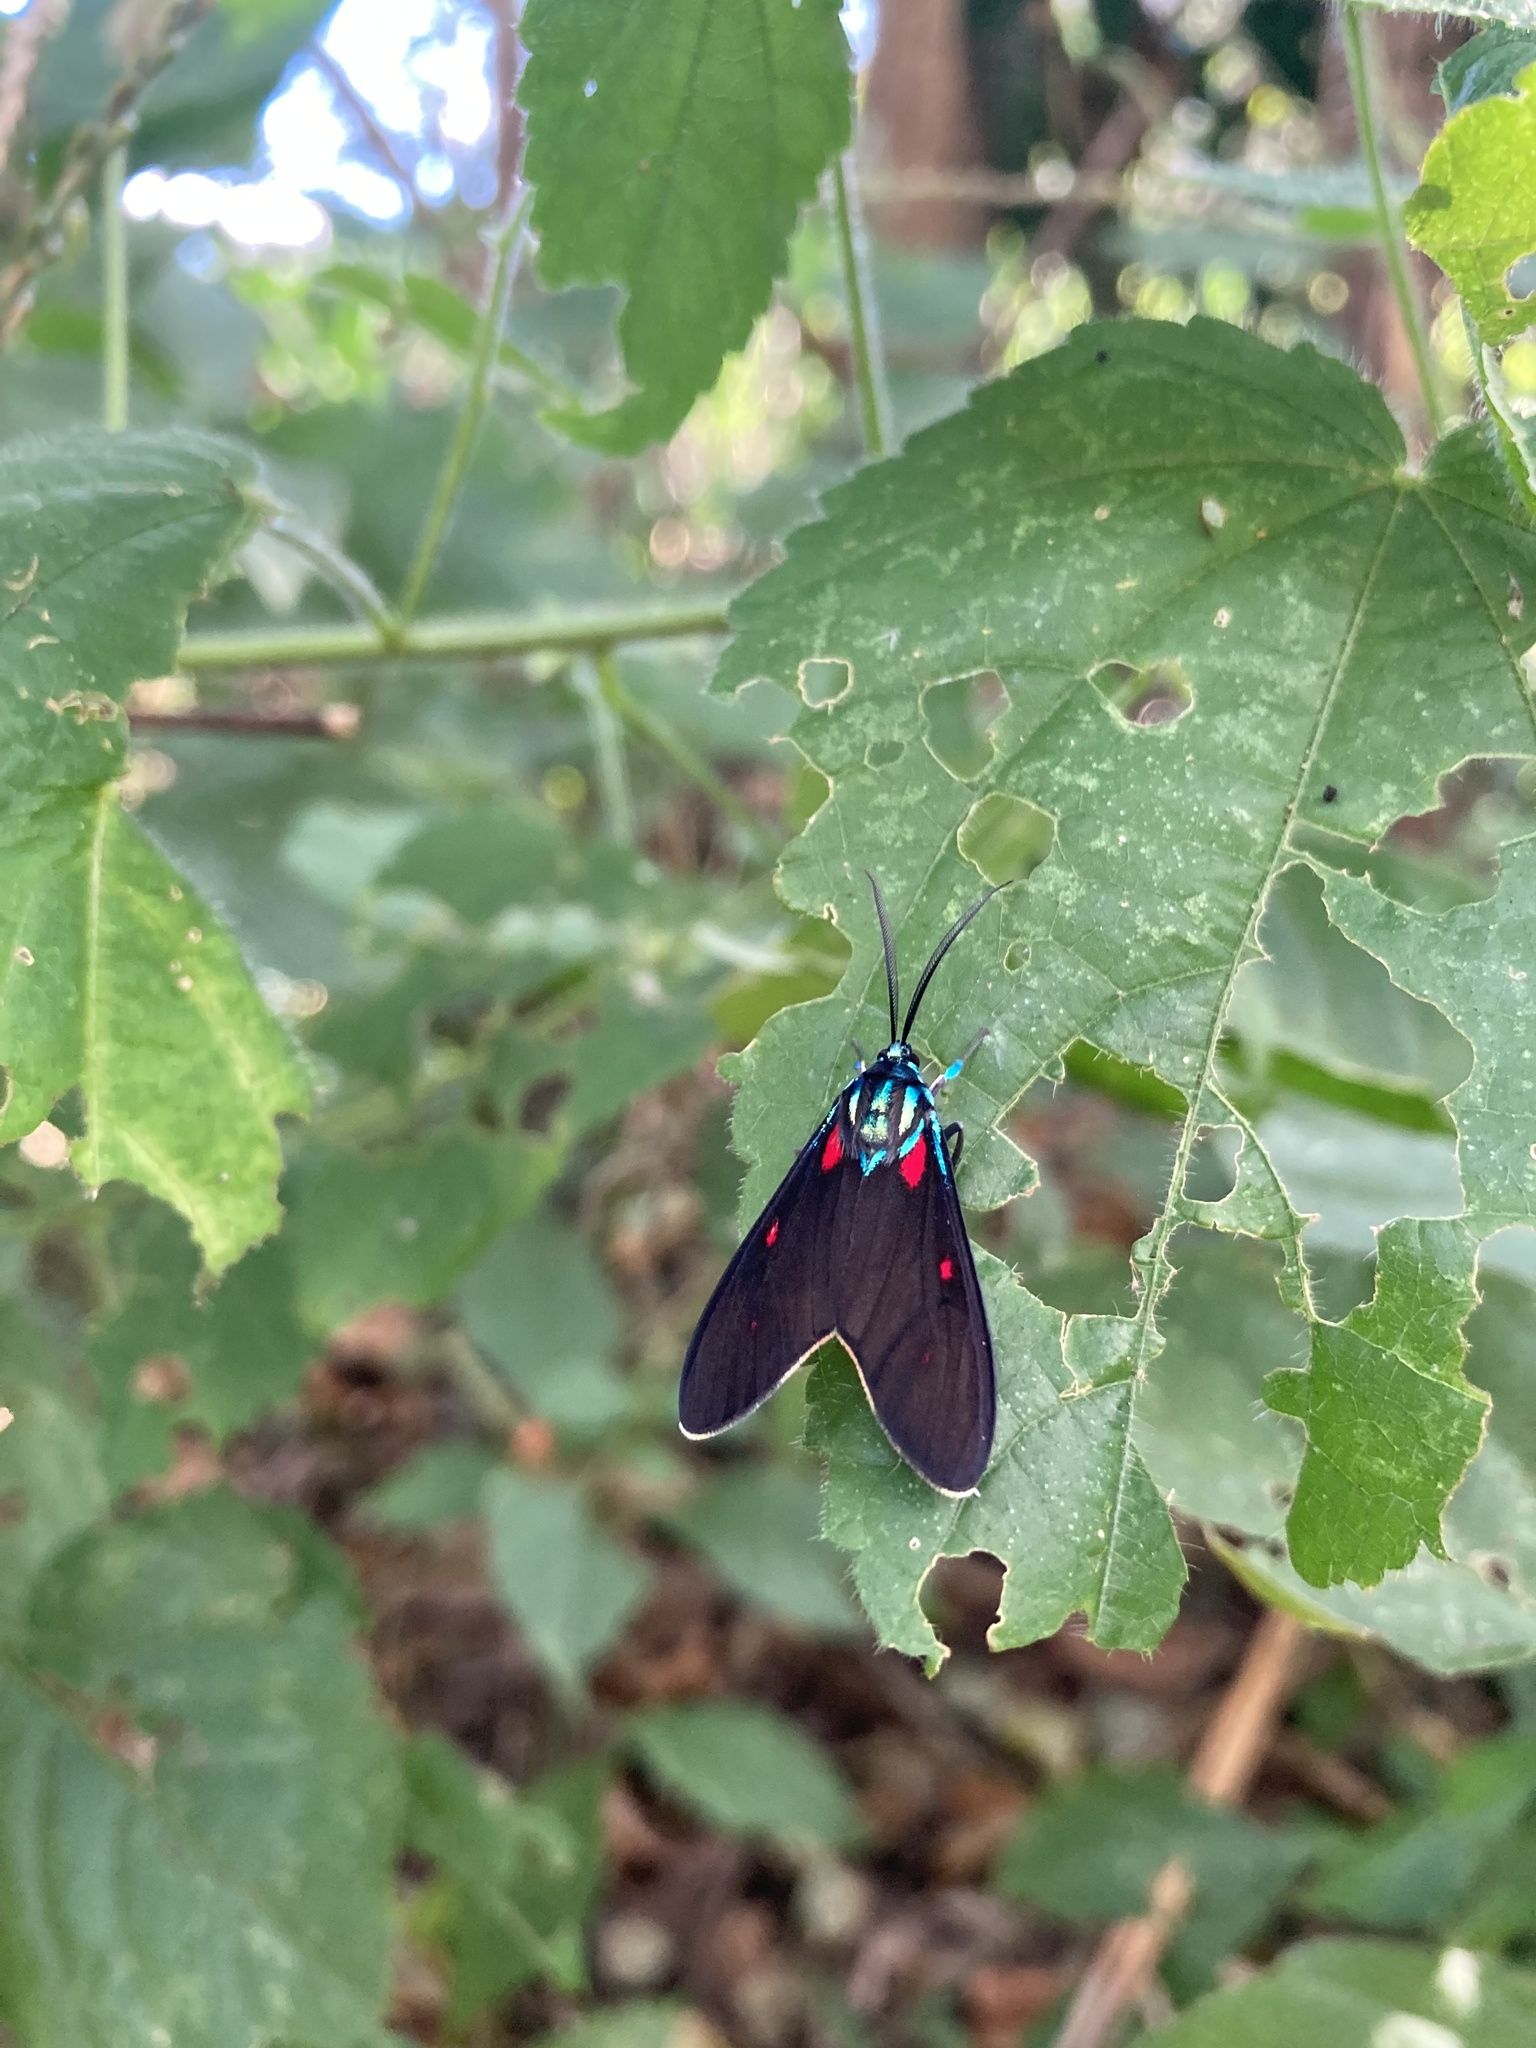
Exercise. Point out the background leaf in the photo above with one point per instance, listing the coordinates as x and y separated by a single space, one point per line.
181 1688
745 1770
671 147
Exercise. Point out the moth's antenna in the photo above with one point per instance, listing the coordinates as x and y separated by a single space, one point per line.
939 951
890 952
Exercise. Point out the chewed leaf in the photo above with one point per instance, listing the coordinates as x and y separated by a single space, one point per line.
114 977
1059 533
1475 209
671 146
1066 1503
1391 1421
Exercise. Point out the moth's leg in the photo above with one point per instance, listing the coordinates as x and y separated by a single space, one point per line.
859 1053
954 1143
953 1070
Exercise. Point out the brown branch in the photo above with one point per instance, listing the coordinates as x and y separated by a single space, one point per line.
24 39
1111 149
330 722
509 115
1231 1750
87 150
373 128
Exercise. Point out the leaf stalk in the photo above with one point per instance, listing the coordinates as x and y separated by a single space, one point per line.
863 311
456 462
1358 56
114 293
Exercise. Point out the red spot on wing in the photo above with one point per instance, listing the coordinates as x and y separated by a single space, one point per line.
911 1167
833 1152
946 1266
773 1232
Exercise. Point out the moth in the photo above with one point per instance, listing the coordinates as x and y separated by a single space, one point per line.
863 1240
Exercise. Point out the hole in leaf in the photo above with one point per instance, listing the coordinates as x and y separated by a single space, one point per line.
1492 1569
1159 695
958 717
1005 837
1435 860
884 753
1520 278
825 680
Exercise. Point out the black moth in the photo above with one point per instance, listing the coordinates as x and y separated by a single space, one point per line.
864 1241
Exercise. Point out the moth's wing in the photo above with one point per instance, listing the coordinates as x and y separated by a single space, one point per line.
774 1303
909 1308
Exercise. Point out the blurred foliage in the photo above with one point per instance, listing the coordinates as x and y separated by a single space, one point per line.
498 917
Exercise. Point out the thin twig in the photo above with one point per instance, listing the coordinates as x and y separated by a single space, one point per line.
1231 1750
330 722
114 294
1358 51
463 637
863 311
456 462
366 119
86 153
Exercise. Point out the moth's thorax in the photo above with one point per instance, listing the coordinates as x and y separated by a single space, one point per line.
888 1108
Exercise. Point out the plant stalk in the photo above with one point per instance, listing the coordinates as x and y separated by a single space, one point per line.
450 479
114 293
596 678
863 311
454 637
345 576
688 762
1359 54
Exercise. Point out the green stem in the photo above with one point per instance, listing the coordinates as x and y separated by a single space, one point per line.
456 462
595 677
1358 55
457 637
345 576
668 741
114 293
863 312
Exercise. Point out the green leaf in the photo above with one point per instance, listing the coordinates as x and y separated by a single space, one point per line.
1210 1445
497 1850
402 1227
567 1585
1366 1994
172 1354
1475 209
441 1484
1089 1848
1060 531
538 1305
481 859
746 1771
1391 1421
759 1528
114 976
1518 13
198 1835
1413 1871
51 1480
671 146
1485 64
1066 1507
